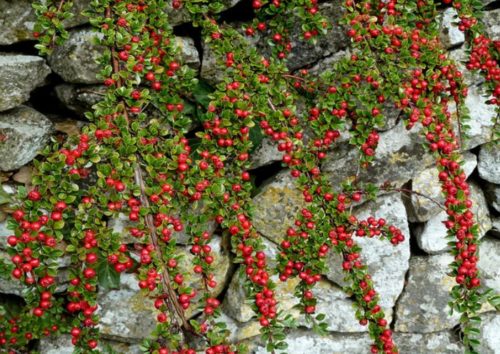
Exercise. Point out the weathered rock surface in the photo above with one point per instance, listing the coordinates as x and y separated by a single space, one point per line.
489 261
423 305
450 35
386 263
432 238
278 204
439 343
62 345
19 75
75 60
399 156
491 22
489 338
427 183
492 193
265 154
489 162
17 19
79 99
26 132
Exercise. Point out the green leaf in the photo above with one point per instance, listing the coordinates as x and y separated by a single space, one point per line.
107 277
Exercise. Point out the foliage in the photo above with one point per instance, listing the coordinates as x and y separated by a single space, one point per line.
134 158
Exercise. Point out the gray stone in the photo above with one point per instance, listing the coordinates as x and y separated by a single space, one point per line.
386 263
427 183
26 131
489 162
179 16
19 75
4 234
305 53
492 193
439 343
79 99
125 314
432 238
495 230
279 202
17 19
300 341
423 305
265 154
460 56
489 338
62 345
491 20
450 35
489 261
400 155
76 59
481 118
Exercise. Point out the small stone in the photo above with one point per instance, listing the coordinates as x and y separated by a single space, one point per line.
450 35
423 305
427 183
439 343
400 155
489 261
279 202
489 338
386 263
489 162
26 132
19 75
432 238
17 19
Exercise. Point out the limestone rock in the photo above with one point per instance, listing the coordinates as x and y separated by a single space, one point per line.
495 230
423 306
450 35
179 16
386 263
491 22
265 154
278 204
460 57
489 261
305 53
125 314
427 183
489 338
19 75
399 156
489 162
300 341
445 342
17 19
4 234
62 345
492 193
26 131
79 99
432 238
481 118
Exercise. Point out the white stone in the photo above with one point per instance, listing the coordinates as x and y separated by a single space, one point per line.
451 36
489 162
489 263
489 338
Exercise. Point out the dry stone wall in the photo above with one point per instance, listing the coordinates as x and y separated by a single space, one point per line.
41 98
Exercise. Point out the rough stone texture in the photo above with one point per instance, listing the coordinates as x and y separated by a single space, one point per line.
491 21
17 19
305 53
26 131
62 345
489 338
481 118
125 314
386 263
300 341
278 203
265 154
423 306
427 183
75 60
489 162
495 230
450 35
492 193
4 233
79 99
432 238
399 156
460 57
19 75
439 343
489 261
179 16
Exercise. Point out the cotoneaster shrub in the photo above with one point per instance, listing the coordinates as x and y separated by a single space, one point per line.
140 163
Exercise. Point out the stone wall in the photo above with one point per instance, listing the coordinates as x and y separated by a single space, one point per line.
40 98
